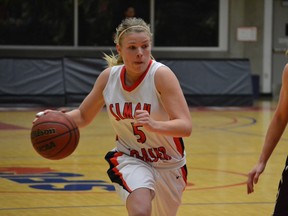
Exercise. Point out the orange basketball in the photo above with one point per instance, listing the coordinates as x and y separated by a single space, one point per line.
55 135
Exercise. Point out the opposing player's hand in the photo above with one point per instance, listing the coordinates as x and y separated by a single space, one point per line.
253 177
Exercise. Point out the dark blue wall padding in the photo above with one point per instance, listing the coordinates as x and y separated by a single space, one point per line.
214 82
31 77
81 74
212 77
66 81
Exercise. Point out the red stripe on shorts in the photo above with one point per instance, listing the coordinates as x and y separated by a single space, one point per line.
179 145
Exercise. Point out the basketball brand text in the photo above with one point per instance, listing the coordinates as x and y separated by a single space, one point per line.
45 132
46 147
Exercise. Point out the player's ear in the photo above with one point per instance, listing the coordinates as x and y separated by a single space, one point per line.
118 48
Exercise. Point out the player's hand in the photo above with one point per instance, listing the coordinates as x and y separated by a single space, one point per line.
41 113
253 176
142 118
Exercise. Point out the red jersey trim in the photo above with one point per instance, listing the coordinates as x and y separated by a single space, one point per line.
184 174
131 88
179 145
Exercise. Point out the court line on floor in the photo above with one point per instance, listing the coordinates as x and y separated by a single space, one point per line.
122 205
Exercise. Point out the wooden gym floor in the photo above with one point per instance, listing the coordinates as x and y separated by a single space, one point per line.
224 145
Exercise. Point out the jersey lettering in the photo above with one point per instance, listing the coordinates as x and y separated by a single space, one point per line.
151 154
126 112
139 133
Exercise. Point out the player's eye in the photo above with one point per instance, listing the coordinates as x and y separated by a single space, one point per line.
132 47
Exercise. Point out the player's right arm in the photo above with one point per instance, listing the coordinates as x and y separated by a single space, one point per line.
274 133
93 103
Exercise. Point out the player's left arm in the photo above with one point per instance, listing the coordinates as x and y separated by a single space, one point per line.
180 124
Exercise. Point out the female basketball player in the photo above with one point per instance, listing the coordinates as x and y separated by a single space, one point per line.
274 133
149 113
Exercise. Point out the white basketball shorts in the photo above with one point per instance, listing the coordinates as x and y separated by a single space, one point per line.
130 173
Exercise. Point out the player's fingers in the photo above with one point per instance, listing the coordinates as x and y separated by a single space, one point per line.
141 116
256 178
37 116
250 182
41 113
141 113
250 188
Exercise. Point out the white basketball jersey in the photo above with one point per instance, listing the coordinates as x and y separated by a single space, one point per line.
122 101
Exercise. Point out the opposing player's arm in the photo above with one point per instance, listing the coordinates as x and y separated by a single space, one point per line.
273 135
93 103
279 120
180 124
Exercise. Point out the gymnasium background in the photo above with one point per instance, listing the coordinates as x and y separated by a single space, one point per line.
224 52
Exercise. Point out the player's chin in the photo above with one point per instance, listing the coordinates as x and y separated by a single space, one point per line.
140 66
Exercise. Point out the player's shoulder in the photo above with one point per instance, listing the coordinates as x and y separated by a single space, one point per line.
161 68
164 72
164 77
285 79
103 77
105 73
110 72
285 72
286 68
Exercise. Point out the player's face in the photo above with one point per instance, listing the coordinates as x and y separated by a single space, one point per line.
135 50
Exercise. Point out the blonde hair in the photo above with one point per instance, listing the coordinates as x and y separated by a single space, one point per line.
127 25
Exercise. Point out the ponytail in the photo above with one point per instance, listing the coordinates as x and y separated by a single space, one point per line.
113 60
